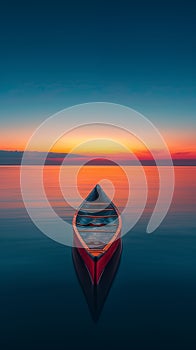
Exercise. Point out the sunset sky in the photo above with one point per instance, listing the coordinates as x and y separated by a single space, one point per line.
142 56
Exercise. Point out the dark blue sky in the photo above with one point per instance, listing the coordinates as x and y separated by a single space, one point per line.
139 53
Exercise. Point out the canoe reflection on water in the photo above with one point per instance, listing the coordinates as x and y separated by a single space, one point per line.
97 242
96 294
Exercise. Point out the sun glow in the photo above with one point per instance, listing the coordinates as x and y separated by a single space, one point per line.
99 140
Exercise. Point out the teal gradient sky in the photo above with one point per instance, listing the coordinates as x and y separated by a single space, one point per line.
57 54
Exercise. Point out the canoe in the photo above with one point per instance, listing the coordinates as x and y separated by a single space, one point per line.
96 295
97 227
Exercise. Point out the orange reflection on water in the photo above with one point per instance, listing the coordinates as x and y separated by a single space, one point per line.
11 201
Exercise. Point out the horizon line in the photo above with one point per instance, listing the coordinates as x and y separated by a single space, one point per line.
57 158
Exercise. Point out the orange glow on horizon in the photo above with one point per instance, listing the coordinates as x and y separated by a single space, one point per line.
181 144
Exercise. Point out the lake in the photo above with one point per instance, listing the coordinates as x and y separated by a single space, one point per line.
151 303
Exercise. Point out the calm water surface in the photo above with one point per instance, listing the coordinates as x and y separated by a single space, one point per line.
152 301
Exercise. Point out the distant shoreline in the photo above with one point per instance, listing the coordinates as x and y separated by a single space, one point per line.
101 164
35 158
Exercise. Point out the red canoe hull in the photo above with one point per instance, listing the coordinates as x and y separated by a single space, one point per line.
96 265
